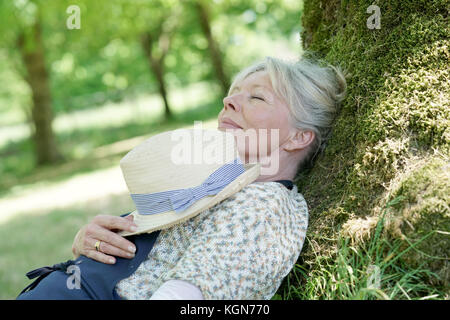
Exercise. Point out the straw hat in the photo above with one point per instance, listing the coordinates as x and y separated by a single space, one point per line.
175 175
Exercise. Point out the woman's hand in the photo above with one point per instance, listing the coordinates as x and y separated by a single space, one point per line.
102 228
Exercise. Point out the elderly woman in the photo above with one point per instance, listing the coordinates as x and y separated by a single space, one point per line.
244 246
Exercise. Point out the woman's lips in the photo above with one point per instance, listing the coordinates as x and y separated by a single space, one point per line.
228 123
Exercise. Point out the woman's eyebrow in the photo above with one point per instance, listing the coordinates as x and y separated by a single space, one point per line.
268 93
252 87
235 88
260 86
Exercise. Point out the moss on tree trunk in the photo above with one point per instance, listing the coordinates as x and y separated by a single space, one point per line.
392 136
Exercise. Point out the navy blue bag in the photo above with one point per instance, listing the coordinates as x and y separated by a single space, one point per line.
97 279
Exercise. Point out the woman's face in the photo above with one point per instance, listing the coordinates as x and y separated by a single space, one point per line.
253 104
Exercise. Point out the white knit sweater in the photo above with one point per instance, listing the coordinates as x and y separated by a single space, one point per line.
241 248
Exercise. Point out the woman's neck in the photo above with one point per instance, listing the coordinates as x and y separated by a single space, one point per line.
286 167
282 174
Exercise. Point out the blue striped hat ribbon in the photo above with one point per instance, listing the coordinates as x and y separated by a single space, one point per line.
181 199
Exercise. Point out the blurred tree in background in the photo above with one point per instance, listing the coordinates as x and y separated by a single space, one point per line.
124 49
216 56
22 28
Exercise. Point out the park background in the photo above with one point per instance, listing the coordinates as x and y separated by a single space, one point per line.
73 102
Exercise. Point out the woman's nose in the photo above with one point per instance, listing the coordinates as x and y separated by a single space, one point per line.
230 102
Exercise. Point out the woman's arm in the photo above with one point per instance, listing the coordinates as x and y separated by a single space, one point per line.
102 228
177 290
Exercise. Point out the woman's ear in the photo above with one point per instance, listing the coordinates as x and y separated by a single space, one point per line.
299 140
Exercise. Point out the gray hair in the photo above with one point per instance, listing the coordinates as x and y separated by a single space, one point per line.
312 92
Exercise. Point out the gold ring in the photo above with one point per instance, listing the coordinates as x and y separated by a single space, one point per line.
97 245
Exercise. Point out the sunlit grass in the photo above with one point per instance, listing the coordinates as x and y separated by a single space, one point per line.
82 132
147 108
372 271
32 241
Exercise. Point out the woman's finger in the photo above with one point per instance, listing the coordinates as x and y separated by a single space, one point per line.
100 256
113 222
108 249
98 233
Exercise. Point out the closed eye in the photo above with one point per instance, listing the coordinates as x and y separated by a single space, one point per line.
259 98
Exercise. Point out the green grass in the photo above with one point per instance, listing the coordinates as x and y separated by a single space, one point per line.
371 271
32 241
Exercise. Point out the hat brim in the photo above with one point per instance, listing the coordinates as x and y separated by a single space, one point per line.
164 220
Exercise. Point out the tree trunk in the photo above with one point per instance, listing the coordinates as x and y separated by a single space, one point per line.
32 52
158 70
157 66
214 50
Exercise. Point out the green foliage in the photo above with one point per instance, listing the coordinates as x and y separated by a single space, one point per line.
396 116
103 61
371 271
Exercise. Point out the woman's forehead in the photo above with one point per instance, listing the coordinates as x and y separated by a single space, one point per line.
256 79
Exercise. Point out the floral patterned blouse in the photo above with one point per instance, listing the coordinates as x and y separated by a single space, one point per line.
241 248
